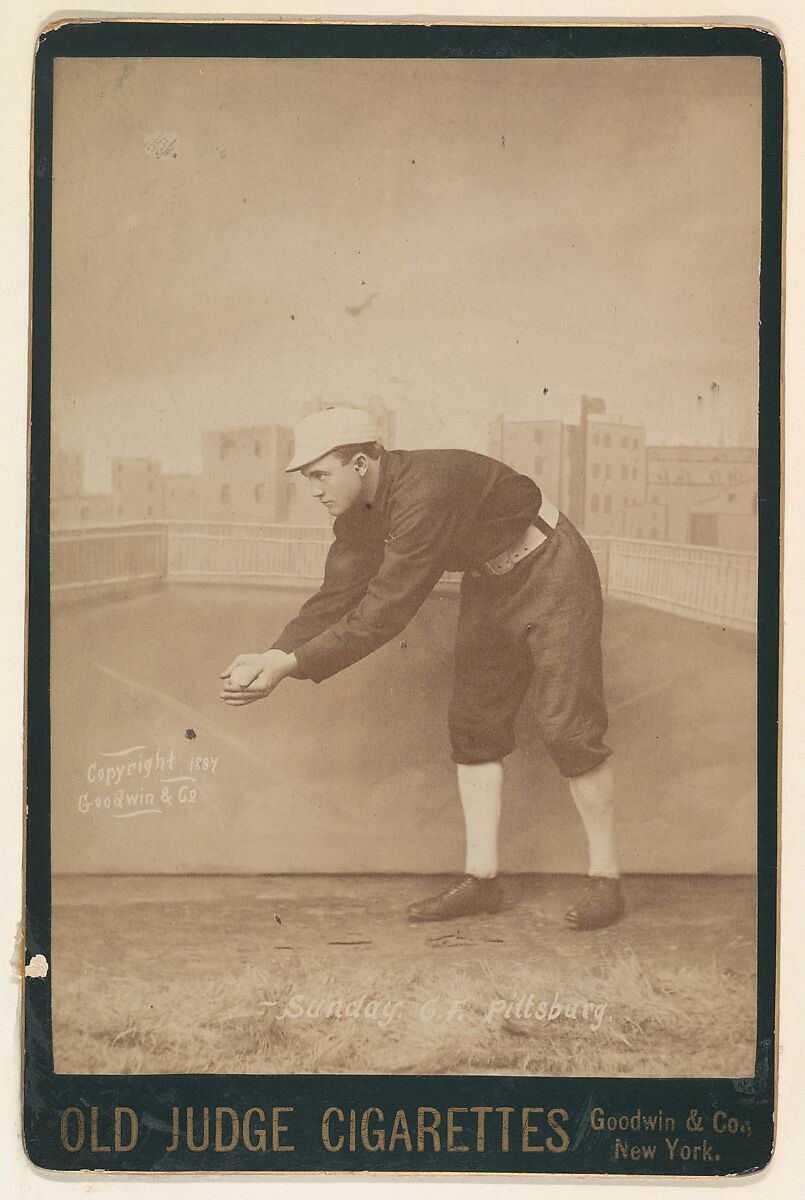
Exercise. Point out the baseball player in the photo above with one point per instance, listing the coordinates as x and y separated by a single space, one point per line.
530 617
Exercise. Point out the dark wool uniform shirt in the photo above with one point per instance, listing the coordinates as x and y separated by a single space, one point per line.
434 511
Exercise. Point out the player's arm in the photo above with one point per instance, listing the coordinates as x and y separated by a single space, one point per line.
351 563
414 559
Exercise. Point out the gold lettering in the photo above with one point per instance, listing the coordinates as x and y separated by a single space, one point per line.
422 1128
234 1129
505 1113
65 1129
133 1129
175 1142
481 1110
248 1140
400 1131
325 1130
564 1140
528 1129
205 1139
277 1128
93 1133
453 1129
379 1142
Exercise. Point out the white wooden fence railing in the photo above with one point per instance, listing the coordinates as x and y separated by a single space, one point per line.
107 556
718 586
224 553
708 584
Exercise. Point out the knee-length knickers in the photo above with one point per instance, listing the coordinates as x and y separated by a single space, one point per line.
537 626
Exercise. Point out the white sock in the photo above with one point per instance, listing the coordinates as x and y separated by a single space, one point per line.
594 795
480 786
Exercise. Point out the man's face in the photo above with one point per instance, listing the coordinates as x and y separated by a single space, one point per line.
334 484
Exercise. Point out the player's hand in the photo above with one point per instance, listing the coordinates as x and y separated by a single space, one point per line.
251 677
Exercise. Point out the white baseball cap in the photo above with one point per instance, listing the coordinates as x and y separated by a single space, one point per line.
323 431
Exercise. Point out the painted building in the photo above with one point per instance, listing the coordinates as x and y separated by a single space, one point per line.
688 502
136 489
243 475
727 520
547 451
181 497
684 477
70 505
646 522
613 471
87 508
67 473
594 471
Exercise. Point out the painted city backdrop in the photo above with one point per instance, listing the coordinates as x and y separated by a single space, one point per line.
600 471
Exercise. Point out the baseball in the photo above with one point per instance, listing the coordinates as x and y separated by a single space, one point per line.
242 676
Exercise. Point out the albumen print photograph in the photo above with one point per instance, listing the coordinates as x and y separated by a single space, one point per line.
404 489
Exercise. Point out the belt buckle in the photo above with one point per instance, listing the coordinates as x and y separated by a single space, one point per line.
508 559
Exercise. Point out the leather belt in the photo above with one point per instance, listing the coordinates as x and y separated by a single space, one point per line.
534 537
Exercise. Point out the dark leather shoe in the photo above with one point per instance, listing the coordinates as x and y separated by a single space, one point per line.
468 896
600 904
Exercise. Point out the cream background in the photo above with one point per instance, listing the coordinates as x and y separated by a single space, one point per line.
20 25
520 233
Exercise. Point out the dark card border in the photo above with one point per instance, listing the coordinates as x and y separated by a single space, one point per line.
47 1094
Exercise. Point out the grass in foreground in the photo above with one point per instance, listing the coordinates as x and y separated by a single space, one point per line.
461 1019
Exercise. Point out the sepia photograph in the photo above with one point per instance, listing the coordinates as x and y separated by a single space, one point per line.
404 566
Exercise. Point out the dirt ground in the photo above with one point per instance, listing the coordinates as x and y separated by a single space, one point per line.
324 974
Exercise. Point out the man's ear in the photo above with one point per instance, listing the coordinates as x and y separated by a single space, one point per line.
361 463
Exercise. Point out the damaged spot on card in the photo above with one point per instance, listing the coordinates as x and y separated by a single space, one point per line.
161 145
123 76
37 968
